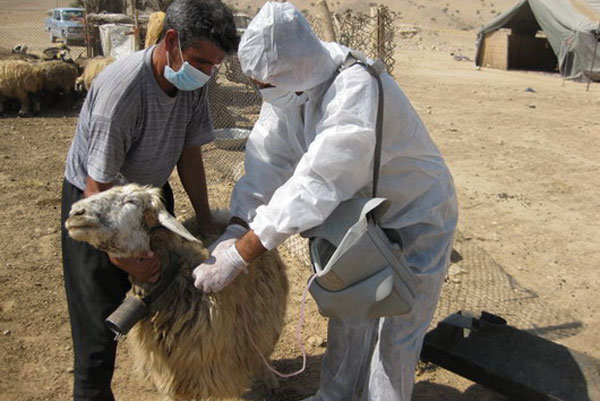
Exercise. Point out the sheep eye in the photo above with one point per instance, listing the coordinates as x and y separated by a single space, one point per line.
131 201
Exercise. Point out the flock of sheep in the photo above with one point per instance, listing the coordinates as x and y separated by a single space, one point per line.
34 78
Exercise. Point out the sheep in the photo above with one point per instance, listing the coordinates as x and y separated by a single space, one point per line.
58 76
56 52
193 345
154 29
18 80
18 52
20 49
91 68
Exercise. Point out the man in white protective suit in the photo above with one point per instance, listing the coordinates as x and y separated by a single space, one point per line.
313 148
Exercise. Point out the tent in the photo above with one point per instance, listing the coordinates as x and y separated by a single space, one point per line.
544 35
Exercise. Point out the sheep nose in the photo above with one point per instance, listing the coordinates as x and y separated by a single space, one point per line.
77 211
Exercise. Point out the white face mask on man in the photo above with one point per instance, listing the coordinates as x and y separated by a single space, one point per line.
282 98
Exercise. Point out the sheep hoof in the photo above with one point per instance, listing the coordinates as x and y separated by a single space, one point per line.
24 115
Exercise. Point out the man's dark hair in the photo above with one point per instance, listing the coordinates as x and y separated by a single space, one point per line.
202 19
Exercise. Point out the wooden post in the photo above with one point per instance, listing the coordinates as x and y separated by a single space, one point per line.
86 31
374 36
136 26
328 31
380 33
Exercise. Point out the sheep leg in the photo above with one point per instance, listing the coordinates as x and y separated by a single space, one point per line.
23 97
1 105
35 102
69 99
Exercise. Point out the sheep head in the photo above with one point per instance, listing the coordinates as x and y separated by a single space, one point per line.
119 220
64 55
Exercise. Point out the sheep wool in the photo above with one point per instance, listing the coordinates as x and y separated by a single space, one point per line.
58 75
92 67
155 27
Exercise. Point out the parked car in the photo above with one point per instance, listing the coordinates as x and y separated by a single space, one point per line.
65 24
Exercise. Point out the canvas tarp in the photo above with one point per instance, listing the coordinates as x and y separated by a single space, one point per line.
569 26
117 40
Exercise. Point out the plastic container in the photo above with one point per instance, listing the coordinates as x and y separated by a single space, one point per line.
231 138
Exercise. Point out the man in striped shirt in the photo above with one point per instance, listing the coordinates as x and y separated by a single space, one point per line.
144 114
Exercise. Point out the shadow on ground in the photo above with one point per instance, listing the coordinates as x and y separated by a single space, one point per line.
426 391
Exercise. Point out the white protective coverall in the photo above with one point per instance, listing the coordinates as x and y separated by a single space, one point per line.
301 162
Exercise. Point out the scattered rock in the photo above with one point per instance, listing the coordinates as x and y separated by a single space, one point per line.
455 270
530 90
6 332
531 106
455 256
460 57
316 341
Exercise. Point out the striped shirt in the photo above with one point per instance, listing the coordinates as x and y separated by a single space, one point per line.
130 130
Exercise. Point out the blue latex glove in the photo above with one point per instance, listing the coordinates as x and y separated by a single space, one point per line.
224 265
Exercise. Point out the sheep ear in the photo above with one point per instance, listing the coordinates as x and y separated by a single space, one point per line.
167 220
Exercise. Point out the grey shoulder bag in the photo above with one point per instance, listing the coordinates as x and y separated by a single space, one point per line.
359 272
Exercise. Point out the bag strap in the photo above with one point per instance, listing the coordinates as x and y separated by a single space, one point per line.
375 69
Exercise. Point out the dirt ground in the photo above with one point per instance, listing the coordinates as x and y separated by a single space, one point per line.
523 149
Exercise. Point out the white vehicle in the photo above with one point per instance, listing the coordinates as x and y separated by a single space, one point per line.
65 24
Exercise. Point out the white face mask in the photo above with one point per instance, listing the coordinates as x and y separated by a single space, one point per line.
282 98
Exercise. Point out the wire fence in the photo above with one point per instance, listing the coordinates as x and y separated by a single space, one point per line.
25 26
374 34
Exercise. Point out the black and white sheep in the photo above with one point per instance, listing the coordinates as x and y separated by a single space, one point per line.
60 52
18 52
193 345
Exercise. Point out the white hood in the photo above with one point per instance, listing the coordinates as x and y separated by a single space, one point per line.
280 48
